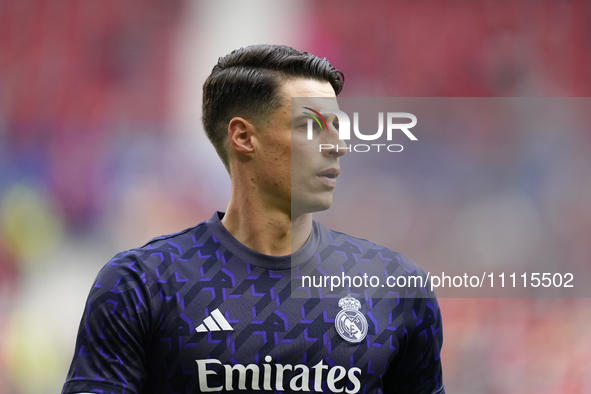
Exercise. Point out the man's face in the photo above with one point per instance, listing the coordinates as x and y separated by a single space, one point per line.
297 175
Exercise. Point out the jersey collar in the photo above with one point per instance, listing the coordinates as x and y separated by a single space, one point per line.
303 255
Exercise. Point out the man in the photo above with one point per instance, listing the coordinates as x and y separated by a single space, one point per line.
211 309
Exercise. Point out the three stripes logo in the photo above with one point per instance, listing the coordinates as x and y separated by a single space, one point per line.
214 322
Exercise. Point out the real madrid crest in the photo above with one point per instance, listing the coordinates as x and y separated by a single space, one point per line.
350 323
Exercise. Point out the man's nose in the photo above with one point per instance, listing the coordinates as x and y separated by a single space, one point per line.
334 145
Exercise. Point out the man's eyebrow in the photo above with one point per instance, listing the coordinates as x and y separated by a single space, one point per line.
299 118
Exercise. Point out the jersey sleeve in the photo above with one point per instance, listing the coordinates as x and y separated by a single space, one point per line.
417 366
110 352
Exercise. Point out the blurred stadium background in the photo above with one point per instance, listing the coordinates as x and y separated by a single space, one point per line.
101 148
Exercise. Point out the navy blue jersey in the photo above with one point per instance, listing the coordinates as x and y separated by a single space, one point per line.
199 312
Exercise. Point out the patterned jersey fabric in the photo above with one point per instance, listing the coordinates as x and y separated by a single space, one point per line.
199 312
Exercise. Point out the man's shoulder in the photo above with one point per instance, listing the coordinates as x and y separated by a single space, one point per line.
339 237
164 247
185 236
363 250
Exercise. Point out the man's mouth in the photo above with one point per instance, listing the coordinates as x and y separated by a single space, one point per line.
331 173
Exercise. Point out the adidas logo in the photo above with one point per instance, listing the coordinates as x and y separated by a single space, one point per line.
210 323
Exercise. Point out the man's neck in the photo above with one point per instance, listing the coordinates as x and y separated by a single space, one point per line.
266 230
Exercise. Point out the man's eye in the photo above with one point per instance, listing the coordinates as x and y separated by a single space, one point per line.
305 125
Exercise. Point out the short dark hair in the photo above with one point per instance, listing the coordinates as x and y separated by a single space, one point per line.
246 83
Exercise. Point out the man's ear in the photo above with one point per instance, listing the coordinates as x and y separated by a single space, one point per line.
240 135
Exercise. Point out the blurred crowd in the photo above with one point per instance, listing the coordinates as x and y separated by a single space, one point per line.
94 160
